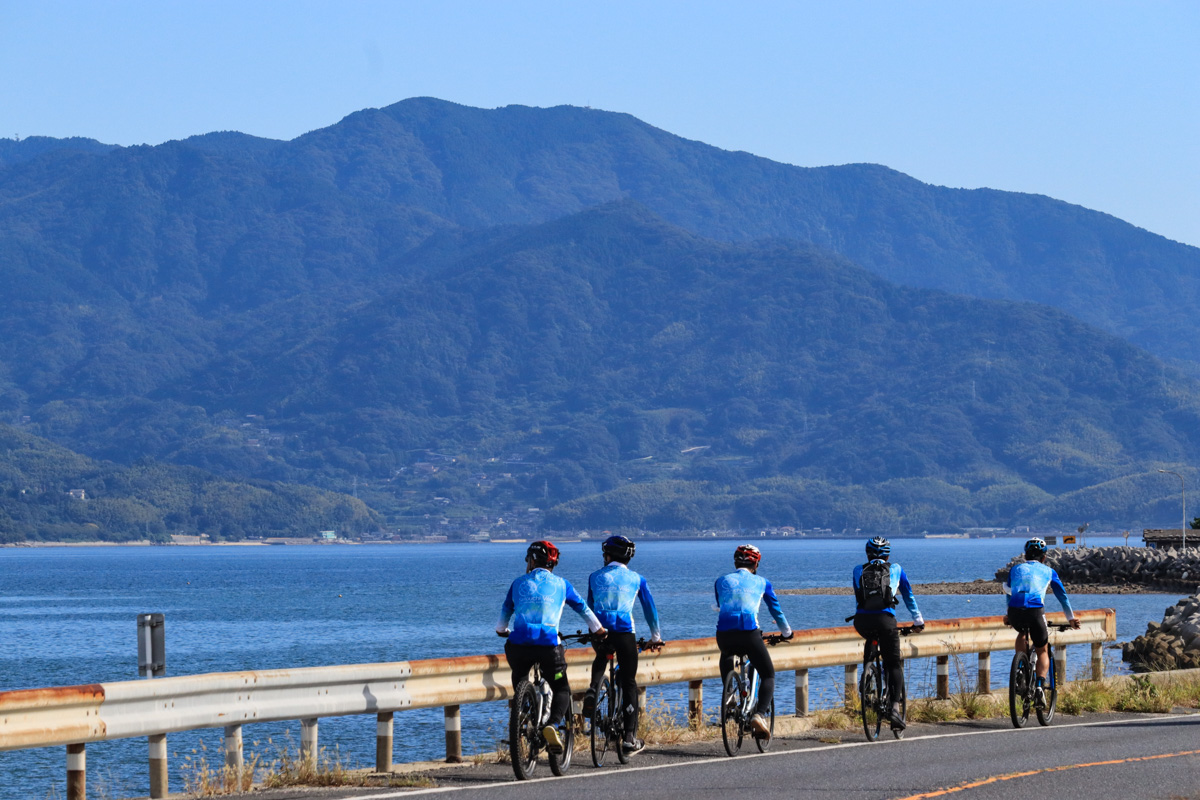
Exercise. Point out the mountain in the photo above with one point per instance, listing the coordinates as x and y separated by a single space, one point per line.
50 493
441 305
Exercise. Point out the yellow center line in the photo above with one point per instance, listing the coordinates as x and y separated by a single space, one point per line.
1013 775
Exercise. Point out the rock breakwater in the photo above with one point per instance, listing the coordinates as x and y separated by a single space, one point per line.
1173 643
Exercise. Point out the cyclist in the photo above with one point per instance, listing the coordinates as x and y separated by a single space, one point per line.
1026 587
611 592
739 595
534 605
876 586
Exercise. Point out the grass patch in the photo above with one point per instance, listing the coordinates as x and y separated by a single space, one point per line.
835 719
661 723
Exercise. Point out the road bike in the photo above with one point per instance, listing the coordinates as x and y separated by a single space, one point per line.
875 696
607 724
739 698
529 713
1022 682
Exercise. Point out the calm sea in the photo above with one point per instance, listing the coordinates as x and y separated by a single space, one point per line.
68 616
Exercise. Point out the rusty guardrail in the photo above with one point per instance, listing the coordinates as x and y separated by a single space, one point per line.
76 715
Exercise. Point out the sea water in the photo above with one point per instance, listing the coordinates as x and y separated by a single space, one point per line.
69 616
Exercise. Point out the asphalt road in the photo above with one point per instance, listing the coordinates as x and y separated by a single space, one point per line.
1089 758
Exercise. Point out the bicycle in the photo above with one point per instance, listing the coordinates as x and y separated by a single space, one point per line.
874 693
529 713
1022 682
739 698
607 729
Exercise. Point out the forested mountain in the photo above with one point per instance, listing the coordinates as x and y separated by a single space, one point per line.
50 493
429 282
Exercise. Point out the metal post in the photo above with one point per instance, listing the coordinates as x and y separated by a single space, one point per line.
453 735
851 684
1097 661
233 748
801 693
308 740
383 741
985 673
1060 664
158 766
76 772
695 703
641 698
943 677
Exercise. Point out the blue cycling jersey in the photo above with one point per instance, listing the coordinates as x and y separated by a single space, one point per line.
1027 583
900 588
739 595
535 604
611 592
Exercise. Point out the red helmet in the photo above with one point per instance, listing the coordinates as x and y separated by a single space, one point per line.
747 555
543 554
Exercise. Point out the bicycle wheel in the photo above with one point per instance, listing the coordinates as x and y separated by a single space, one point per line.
561 762
765 744
524 739
602 735
618 724
1045 715
1020 676
870 700
731 713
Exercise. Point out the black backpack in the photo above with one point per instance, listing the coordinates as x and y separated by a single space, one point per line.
875 587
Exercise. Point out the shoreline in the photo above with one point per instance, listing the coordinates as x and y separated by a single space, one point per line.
985 587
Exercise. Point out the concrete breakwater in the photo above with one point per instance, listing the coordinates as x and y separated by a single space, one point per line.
1163 570
1173 643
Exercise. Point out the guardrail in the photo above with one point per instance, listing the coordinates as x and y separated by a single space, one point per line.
75 715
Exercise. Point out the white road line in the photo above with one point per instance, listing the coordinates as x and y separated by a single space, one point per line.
1158 718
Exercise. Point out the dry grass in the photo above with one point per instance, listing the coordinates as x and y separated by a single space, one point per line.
202 780
835 719
661 723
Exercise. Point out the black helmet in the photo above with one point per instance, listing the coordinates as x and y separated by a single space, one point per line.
879 547
620 548
542 553
1035 548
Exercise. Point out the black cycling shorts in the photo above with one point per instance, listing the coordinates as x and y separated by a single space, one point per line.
1032 618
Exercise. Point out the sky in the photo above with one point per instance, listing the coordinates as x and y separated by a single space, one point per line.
1095 103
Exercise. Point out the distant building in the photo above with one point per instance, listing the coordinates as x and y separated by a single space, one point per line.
328 536
78 494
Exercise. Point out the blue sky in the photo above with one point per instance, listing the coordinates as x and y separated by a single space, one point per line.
1096 103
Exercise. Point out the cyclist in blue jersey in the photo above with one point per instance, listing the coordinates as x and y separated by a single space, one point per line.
739 595
877 585
611 594
534 606
1025 588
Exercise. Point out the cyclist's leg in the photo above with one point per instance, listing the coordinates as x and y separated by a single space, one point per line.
727 642
520 658
1041 637
863 625
553 661
625 646
889 649
756 651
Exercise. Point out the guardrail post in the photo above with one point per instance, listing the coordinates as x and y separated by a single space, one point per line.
158 766
801 693
642 699
985 673
1060 664
233 748
851 684
383 741
695 703
453 735
943 677
76 772
1097 661
308 740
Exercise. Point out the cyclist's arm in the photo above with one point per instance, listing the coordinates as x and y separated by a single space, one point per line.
775 609
1060 592
580 608
649 610
506 612
1006 590
910 601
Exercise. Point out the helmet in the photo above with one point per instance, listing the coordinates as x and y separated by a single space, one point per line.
619 547
879 547
1035 547
747 555
543 554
